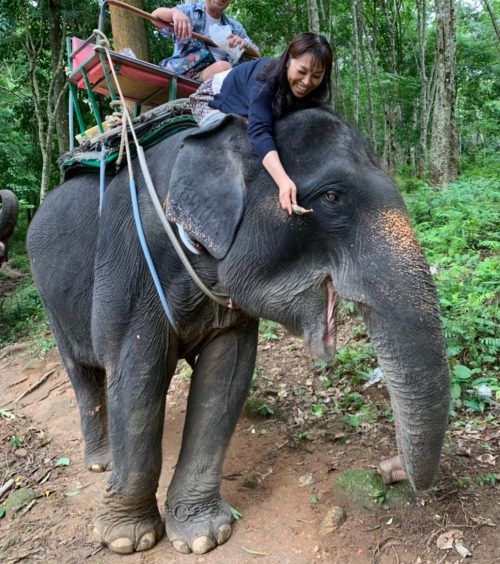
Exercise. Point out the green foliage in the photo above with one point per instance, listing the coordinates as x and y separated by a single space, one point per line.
489 479
268 330
15 442
21 314
458 228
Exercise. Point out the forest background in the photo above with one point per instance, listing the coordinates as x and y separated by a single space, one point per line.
419 78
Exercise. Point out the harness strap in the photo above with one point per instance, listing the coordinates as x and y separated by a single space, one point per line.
104 44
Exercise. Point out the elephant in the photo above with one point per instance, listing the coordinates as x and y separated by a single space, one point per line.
120 350
8 218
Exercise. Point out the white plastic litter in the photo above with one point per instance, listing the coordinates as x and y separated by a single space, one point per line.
219 35
484 391
376 376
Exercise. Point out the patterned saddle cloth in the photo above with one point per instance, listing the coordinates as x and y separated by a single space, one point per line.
150 128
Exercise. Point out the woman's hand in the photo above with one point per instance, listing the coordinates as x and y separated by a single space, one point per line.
287 188
288 194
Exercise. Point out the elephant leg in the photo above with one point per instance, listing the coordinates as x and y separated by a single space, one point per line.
197 519
89 384
128 519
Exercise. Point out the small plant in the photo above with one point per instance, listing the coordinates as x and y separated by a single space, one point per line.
16 443
258 408
463 481
236 514
302 436
379 496
486 479
319 409
267 330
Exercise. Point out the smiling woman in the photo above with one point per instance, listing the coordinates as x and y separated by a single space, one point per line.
265 90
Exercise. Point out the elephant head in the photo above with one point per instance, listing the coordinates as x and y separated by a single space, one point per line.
357 244
8 217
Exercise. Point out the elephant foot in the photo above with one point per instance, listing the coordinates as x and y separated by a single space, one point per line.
99 460
198 527
392 470
126 526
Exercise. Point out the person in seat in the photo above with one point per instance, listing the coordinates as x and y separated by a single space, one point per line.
265 90
192 58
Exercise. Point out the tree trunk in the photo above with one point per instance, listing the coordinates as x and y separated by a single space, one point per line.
129 30
355 46
45 109
56 36
312 6
444 144
391 109
372 126
424 88
492 16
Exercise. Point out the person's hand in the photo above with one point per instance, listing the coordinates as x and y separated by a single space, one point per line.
182 25
288 194
236 41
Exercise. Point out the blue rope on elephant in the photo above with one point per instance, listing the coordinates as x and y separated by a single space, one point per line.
148 257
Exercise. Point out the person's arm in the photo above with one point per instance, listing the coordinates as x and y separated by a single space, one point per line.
260 132
240 37
181 22
250 49
286 186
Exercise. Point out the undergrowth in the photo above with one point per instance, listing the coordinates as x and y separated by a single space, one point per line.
458 229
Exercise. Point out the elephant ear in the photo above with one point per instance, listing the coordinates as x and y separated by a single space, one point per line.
207 185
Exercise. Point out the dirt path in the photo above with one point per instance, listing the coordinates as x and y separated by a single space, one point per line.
278 474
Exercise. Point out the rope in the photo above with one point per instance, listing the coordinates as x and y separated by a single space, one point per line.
103 43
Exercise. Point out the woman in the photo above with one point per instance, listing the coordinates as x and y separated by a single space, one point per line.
265 90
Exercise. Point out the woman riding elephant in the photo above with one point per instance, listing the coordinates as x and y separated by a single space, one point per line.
265 90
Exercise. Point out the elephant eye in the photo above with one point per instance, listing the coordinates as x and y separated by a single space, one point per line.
332 196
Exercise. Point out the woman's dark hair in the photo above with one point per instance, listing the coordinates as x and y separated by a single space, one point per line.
275 72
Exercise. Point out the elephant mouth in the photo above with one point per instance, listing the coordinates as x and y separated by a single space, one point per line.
330 337
321 337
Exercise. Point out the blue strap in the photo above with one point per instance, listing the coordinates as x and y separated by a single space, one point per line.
102 176
147 255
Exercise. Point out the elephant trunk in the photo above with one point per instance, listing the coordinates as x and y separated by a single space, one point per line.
414 364
8 213
391 281
8 217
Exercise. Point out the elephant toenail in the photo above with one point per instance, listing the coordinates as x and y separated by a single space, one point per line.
97 468
147 542
224 533
202 545
97 534
181 546
122 546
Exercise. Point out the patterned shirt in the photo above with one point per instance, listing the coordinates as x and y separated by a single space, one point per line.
191 55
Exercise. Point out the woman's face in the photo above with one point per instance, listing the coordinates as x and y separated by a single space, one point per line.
304 75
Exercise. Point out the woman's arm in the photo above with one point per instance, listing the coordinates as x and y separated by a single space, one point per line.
260 132
287 188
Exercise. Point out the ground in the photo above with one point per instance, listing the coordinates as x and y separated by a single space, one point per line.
290 447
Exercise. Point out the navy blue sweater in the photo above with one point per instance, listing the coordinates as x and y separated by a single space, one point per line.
243 94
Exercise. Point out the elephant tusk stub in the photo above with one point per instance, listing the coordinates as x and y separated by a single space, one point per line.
331 333
300 210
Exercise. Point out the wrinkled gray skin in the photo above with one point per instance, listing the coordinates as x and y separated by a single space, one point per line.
120 353
9 211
